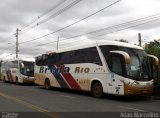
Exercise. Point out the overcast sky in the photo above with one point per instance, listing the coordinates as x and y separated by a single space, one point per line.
38 18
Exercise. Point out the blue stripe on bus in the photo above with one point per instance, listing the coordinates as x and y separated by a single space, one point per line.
59 78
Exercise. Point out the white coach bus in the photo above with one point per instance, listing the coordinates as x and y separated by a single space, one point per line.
20 70
100 67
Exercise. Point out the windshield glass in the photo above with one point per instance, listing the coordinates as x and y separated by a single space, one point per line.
139 68
27 69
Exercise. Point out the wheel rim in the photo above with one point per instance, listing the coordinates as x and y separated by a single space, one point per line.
97 90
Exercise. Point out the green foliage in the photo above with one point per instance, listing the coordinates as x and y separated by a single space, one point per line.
153 48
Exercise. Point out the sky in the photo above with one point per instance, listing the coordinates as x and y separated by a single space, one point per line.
41 23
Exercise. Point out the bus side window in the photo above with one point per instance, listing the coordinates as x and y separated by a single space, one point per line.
90 55
117 64
53 59
94 56
64 58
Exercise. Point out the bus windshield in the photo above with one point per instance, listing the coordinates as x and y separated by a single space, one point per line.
28 69
139 68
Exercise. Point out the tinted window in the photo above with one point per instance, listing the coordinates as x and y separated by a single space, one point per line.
106 52
28 68
116 65
42 60
88 55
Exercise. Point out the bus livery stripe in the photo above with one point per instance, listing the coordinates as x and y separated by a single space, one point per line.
71 81
9 75
69 78
59 79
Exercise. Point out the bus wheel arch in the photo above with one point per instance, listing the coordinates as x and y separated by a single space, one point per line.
47 84
96 88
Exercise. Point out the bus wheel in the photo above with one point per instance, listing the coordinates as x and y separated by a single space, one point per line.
17 81
97 90
47 84
4 79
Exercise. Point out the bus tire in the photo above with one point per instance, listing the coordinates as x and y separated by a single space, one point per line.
47 84
17 81
4 79
97 90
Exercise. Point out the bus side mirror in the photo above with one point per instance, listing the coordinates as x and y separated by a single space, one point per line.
22 65
154 63
125 55
119 59
156 60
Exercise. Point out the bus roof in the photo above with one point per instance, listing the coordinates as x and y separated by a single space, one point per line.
99 43
22 59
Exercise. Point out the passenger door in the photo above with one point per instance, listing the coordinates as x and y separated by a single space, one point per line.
118 70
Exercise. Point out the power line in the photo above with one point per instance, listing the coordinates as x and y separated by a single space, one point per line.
9 37
111 29
66 43
145 19
43 14
135 25
57 13
49 10
54 7
60 11
115 28
102 34
12 46
72 23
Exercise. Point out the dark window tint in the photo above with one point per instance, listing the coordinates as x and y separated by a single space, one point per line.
88 55
106 52
116 65
42 60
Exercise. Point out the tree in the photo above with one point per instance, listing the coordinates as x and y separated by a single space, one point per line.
153 48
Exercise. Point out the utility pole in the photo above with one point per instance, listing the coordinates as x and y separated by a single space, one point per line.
139 39
57 42
17 50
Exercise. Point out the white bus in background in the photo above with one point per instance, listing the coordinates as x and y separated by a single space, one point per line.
99 67
20 70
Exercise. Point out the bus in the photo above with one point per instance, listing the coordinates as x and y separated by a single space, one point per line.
99 67
19 70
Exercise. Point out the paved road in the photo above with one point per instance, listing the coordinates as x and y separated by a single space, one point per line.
37 102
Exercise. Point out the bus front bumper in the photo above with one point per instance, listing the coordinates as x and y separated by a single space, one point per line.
138 90
28 80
